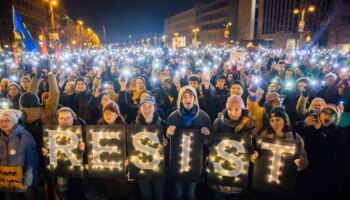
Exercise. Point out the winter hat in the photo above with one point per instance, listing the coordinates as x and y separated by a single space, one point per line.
28 100
12 114
80 78
272 96
234 100
148 99
14 84
237 82
222 77
25 78
279 112
331 108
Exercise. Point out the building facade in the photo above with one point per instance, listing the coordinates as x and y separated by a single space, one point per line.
34 13
213 19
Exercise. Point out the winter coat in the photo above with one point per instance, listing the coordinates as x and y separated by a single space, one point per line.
19 149
245 127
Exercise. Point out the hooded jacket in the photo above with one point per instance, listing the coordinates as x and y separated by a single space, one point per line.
201 119
19 149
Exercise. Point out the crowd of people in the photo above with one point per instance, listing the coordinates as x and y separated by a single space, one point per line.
301 96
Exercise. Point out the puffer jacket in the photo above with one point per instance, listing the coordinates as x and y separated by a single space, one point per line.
19 149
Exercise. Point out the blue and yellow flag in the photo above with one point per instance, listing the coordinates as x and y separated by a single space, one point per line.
21 32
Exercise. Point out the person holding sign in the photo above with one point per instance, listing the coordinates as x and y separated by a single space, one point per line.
279 128
234 119
187 116
148 115
67 117
17 149
110 188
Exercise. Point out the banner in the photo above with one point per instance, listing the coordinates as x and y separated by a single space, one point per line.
106 151
186 155
146 152
228 161
64 158
275 170
11 177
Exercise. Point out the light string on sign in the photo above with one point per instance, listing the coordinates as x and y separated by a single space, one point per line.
185 154
278 151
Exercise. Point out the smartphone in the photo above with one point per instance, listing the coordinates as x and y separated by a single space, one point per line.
314 113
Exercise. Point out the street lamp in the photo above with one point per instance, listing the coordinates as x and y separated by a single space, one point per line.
301 24
80 22
195 31
52 3
155 39
227 32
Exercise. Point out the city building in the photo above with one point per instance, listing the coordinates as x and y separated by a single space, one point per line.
218 22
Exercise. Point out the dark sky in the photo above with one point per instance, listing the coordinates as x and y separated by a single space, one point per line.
140 18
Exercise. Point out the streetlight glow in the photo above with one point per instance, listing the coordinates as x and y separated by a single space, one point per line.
311 8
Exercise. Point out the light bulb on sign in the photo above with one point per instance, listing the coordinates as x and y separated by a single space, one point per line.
278 151
185 155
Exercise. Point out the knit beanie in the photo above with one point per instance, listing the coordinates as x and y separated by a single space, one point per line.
279 112
28 100
12 114
237 82
235 100
14 84
80 78
331 108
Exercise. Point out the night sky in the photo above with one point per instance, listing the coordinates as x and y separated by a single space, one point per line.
140 18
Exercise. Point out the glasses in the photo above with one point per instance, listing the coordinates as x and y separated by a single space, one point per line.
6 121
64 118
109 113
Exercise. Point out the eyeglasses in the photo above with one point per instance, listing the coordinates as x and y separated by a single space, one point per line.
6 121
64 118
109 113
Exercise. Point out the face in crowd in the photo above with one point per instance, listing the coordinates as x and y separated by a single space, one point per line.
166 86
80 87
234 112
147 109
104 100
194 84
140 85
327 117
65 118
6 124
301 87
220 84
277 124
109 88
25 84
109 116
13 91
188 100
236 89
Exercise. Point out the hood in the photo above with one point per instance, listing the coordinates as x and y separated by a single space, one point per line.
18 130
181 91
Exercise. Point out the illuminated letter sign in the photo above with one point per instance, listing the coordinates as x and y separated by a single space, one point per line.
228 160
64 158
275 170
146 156
106 151
186 151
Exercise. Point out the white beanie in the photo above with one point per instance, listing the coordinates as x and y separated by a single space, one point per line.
12 114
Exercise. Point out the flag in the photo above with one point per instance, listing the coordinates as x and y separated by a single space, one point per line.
22 32
43 45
